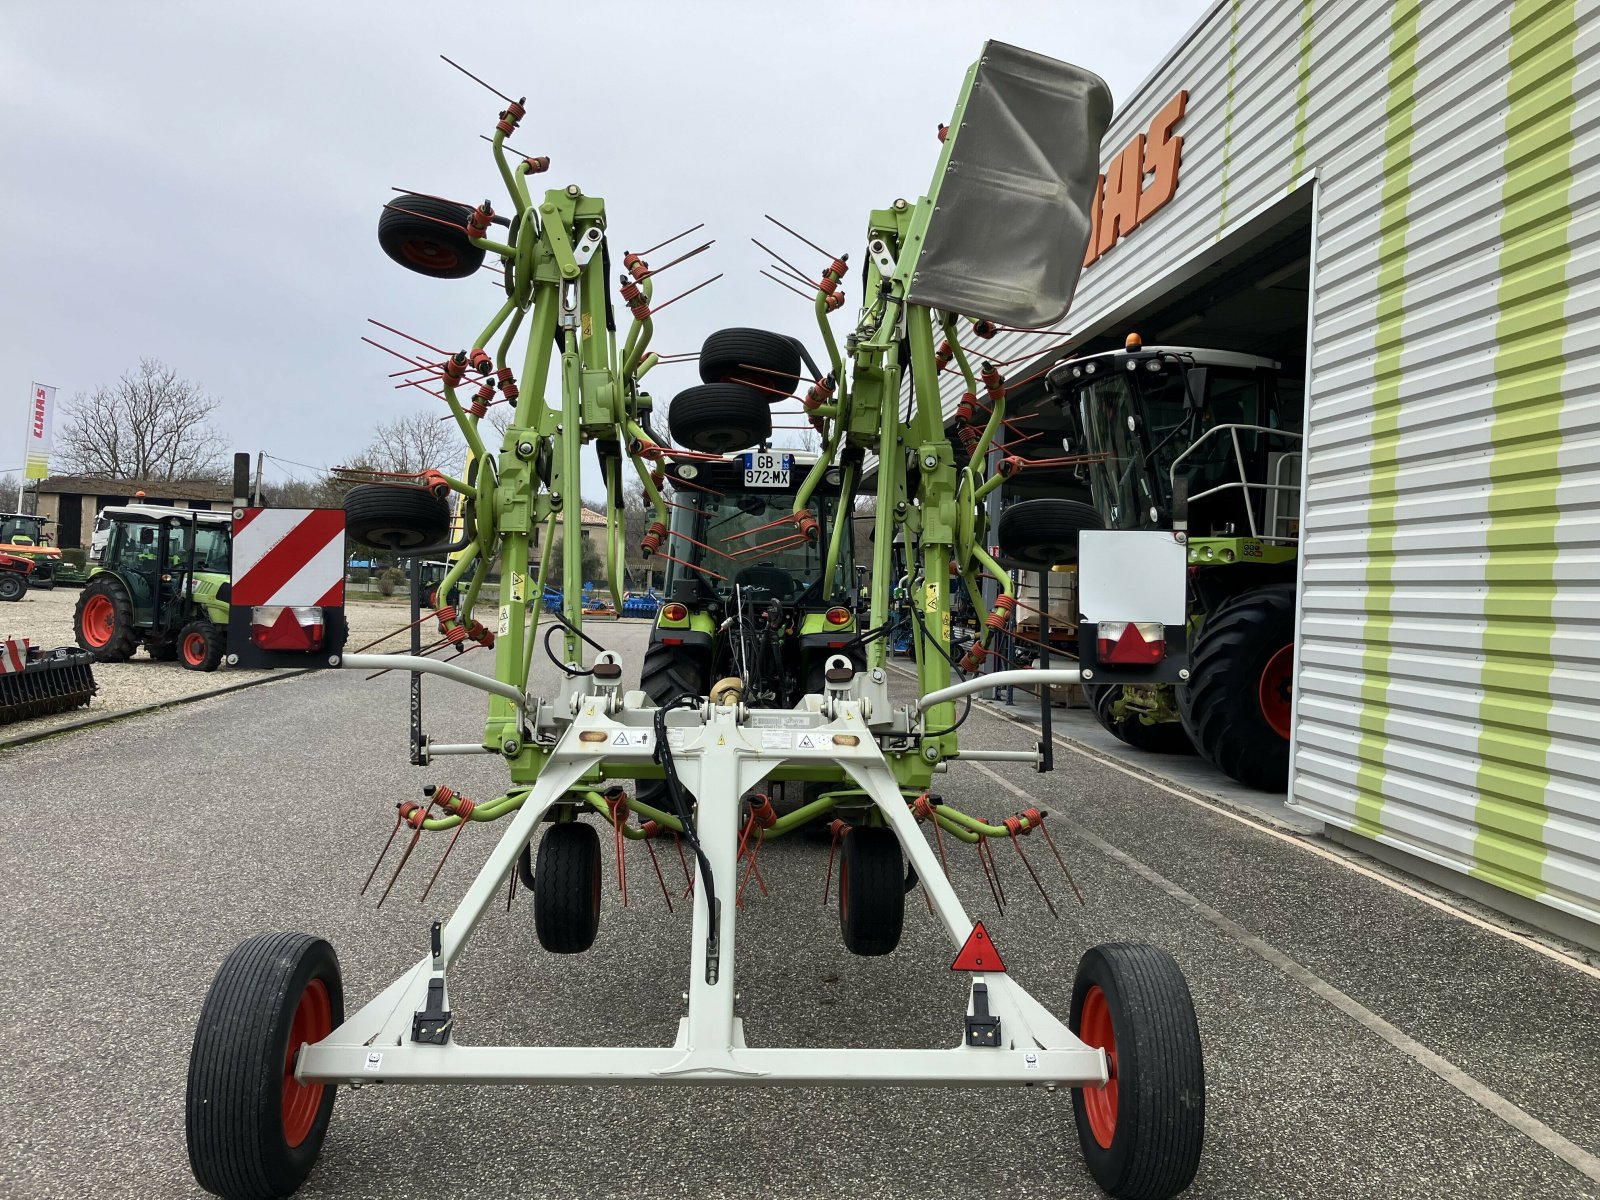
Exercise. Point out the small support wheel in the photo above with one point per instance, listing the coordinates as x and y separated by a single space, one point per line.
872 890
254 1130
768 362
566 888
201 645
1142 1132
1035 535
720 418
429 236
397 519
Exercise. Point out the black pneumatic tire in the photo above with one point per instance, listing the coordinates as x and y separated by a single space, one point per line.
754 356
273 993
201 645
120 643
719 418
872 890
395 518
566 888
1037 534
1221 705
13 585
429 237
1157 1116
1169 737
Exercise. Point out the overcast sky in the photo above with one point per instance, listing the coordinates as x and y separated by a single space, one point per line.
201 182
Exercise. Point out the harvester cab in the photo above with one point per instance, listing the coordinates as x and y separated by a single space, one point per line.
746 595
161 581
1200 442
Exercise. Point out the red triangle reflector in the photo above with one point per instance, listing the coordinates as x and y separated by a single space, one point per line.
979 954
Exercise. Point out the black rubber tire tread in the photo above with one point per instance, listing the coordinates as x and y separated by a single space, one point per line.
13 585
669 672
566 888
872 890
1161 1079
754 356
383 517
123 643
1221 704
216 644
1170 737
234 1103
415 222
719 418
1033 534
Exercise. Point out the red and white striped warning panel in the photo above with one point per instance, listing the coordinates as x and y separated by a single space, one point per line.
13 655
292 556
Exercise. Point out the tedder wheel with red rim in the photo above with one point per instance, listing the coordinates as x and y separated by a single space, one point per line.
429 236
201 645
1237 702
103 620
254 1130
566 888
1142 1132
872 890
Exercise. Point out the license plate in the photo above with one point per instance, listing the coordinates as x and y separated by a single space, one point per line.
764 469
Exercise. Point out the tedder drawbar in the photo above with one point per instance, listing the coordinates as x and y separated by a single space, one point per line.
996 243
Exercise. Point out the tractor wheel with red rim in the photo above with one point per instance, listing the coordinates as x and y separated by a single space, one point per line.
201 645
872 890
255 1130
566 888
1237 703
429 237
1142 1132
103 620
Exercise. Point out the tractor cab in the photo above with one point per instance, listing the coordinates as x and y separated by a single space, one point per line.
747 593
1212 418
161 580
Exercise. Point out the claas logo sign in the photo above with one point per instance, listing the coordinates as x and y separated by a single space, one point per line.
1139 180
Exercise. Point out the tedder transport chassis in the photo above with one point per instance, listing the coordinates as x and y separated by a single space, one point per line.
273 1042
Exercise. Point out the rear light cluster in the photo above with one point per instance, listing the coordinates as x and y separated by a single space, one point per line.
674 612
837 616
293 630
1132 643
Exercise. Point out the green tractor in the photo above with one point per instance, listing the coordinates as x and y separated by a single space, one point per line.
161 580
1201 439
22 535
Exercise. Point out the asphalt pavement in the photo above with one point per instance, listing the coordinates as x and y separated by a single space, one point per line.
1359 1042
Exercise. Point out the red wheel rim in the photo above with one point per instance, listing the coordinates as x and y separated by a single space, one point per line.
99 621
1277 688
1094 1028
430 254
313 1021
194 649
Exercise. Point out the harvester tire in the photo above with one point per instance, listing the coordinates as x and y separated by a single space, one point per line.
872 890
1236 704
13 585
1168 737
404 519
254 1131
1142 1132
719 418
566 888
201 645
770 362
429 237
1037 534
103 620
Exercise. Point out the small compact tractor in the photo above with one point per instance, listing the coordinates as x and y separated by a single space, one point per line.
757 675
1197 441
15 574
161 581
22 536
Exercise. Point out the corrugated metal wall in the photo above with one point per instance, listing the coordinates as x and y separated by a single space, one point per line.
1448 698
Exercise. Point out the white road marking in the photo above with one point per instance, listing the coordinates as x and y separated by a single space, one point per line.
1469 1086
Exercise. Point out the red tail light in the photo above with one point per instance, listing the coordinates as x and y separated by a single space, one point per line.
674 612
1132 643
837 616
295 630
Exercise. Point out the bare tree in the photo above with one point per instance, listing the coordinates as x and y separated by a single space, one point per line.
415 442
150 424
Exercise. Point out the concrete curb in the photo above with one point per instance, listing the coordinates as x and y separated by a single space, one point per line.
39 735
